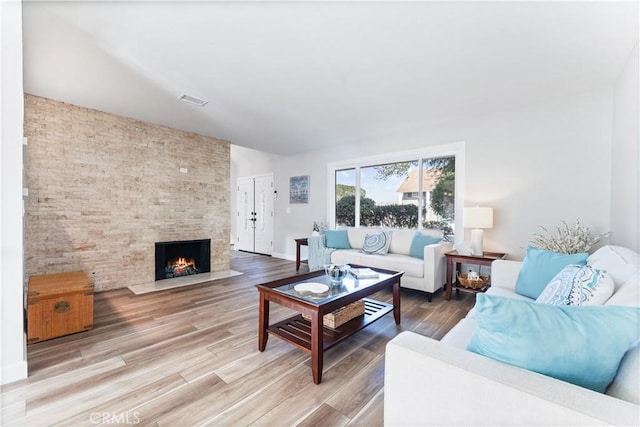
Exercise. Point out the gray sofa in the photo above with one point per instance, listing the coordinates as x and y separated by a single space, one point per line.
429 382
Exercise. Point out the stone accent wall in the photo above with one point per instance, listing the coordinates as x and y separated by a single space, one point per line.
103 189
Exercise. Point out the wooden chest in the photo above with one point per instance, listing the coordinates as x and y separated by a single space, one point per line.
58 304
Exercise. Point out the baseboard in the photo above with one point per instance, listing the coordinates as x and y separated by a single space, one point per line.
284 256
14 372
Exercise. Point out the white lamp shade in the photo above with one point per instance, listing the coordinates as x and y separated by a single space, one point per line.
478 217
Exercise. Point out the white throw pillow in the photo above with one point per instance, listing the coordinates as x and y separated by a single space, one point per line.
619 262
578 285
627 294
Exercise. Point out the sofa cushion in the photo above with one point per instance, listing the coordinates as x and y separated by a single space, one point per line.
411 266
620 263
347 256
402 238
626 384
460 335
419 241
582 345
377 243
627 294
337 239
540 266
578 285
500 292
357 235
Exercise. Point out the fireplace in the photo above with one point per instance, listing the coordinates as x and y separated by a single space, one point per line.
182 258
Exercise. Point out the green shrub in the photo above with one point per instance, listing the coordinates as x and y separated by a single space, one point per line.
346 211
396 216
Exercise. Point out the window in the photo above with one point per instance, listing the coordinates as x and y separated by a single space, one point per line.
416 190
345 200
388 187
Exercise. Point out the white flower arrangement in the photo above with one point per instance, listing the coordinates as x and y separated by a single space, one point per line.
567 240
318 228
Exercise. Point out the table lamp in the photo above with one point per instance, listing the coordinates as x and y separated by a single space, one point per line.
477 218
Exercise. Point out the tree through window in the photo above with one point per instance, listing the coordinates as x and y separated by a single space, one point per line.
416 193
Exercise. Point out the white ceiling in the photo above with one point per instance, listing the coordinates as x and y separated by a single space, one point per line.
286 77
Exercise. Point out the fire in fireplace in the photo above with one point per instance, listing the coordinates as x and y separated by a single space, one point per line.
182 258
181 267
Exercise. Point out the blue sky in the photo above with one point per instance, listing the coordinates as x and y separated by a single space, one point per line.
383 192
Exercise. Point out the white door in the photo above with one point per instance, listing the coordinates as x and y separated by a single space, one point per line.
255 214
263 209
244 229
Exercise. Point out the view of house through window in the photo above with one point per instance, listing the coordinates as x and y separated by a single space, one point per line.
416 193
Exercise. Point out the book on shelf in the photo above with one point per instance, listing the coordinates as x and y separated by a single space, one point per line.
364 273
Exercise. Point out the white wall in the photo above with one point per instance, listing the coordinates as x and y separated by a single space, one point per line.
246 162
295 220
13 365
536 166
625 192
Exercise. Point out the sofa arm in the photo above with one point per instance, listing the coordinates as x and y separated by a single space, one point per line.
429 383
435 265
504 273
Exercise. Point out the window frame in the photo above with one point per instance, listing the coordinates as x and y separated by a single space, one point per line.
454 149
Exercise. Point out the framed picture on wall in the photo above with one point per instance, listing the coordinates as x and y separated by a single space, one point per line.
299 189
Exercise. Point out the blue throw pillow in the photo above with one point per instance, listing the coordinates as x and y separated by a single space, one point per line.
337 239
418 242
540 266
582 345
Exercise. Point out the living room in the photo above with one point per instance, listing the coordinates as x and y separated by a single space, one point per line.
536 156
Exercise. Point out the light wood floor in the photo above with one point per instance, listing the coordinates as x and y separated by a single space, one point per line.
189 356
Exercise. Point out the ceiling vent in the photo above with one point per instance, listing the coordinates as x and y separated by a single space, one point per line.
192 100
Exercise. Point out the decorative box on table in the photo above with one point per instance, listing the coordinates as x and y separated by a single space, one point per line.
58 304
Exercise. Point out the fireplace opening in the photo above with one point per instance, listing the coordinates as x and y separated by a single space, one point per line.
182 258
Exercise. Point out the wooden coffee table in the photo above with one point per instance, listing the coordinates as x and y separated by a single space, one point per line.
310 335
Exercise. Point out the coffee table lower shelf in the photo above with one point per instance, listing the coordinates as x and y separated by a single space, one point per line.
297 331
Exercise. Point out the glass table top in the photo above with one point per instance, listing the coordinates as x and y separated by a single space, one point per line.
349 285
